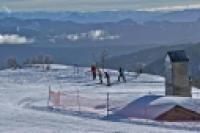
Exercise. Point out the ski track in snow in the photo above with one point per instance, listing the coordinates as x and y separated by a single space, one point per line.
24 95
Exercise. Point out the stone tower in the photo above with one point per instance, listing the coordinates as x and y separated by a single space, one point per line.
177 80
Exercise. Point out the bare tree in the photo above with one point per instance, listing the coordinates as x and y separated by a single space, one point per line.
103 58
94 59
48 60
34 60
12 63
40 59
140 68
27 61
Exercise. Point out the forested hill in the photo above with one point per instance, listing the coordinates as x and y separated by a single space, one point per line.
152 60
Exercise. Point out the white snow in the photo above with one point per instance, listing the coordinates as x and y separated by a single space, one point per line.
24 95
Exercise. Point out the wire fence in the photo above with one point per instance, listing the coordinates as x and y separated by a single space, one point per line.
102 104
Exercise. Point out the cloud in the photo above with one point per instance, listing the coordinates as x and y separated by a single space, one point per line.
7 10
95 35
73 37
14 39
98 5
101 35
173 8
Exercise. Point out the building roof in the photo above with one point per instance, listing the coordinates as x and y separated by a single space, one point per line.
153 106
178 56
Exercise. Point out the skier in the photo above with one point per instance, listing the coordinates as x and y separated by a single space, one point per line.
76 68
141 71
93 70
107 76
121 75
100 76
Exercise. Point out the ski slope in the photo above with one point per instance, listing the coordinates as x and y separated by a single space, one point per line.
24 94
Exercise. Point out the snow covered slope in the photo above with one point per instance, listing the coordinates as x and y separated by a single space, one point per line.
24 95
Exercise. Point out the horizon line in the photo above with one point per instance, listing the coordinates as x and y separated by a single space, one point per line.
76 11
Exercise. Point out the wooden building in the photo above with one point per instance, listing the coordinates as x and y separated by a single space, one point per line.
177 80
161 108
179 113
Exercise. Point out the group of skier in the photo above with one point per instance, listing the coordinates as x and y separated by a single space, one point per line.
95 70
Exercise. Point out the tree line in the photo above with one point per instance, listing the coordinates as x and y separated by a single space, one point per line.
40 59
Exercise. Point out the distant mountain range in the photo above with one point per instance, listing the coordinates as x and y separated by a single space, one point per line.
124 32
109 16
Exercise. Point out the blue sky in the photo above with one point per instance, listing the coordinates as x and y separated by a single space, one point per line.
96 5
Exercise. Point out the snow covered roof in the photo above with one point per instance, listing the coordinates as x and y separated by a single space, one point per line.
178 56
151 106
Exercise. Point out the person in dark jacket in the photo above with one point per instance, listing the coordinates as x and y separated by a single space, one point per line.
121 75
93 70
100 76
107 76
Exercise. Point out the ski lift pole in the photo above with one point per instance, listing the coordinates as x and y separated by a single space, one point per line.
107 105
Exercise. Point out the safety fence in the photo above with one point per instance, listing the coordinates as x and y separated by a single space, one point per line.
99 103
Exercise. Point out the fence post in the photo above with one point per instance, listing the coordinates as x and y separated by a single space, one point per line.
107 104
78 101
48 96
